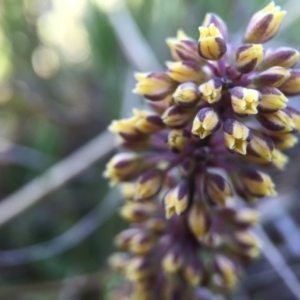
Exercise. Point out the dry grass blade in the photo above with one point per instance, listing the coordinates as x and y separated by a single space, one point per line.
278 263
56 177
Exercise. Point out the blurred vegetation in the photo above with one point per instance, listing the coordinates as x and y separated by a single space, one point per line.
62 79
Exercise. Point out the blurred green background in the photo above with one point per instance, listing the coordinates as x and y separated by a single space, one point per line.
64 76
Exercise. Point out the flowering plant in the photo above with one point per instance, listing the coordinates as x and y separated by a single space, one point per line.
218 121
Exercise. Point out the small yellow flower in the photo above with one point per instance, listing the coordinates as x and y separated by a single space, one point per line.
136 212
122 166
249 243
245 101
176 116
205 123
184 47
283 141
280 160
147 122
187 95
211 44
227 271
280 121
141 243
248 57
148 184
177 200
257 183
211 91
271 100
177 139
236 136
264 24
247 216
217 189
199 219
261 147
211 18
273 77
183 71
138 268
193 273
292 85
282 57
154 86
172 262
124 127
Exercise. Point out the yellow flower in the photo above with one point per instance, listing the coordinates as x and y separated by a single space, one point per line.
264 24
258 184
205 123
248 57
245 101
211 44
236 136
211 91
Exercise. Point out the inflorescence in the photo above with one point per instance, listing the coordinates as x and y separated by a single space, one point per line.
218 120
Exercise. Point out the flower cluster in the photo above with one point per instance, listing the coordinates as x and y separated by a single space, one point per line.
218 121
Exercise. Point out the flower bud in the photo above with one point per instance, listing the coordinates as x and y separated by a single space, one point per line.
125 128
295 114
271 100
258 184
139 142
280 160
247 243
149 184
172 261
157 225
211 44
280 121
282 57
139 268
217 189
227 275
261 147
187 95
177 139
236 136
205 123
193 272
199 219
119 261
177 199
127 190
183 71
211 91
283 141
245 101
211 18
122 240
184 48
292 85
136 212
246 217
264 24
248 57
147 122
176 116
154 86
273 77
123 166
142 242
